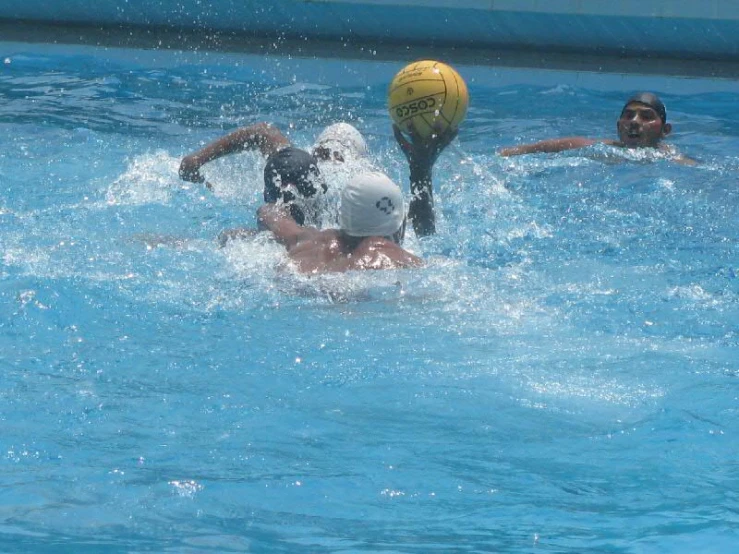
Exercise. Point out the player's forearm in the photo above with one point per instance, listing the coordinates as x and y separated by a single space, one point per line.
548 146
275 219
421 209
262 136
516 150
269 216
229 144
191 164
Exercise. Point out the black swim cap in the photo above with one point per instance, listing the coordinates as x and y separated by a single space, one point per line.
292 166
651 100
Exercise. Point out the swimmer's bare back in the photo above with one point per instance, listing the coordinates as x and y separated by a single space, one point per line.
327 252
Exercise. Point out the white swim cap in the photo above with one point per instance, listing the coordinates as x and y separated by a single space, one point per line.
371 206
343 138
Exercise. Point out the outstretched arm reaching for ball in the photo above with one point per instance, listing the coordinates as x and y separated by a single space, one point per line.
422 153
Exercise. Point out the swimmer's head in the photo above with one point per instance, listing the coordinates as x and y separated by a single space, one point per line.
291 176
643 121
339 143
651 100
372 206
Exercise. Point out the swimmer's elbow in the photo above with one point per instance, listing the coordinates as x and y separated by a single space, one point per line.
266 137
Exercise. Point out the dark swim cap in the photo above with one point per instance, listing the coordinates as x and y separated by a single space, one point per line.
292 166
651 100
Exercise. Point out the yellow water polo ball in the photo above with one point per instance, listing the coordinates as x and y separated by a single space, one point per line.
428 95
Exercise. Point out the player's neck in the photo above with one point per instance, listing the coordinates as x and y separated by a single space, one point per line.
349 242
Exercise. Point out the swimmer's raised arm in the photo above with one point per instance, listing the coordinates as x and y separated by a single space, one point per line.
261 136
422 154
552 145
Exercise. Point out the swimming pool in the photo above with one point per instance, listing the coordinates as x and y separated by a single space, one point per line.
561 378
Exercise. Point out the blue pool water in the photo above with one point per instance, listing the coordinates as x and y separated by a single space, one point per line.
562 377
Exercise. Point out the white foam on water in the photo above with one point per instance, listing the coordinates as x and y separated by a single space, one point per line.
149 178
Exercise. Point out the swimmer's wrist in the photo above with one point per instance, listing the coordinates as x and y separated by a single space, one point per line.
191 164
420 172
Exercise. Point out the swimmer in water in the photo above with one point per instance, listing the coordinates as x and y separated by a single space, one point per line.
292 180
287 169
642 124
337 143
372 218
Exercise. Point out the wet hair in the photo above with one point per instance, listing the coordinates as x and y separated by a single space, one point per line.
651 100
296 167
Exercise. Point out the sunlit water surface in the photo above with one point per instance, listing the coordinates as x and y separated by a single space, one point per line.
561 377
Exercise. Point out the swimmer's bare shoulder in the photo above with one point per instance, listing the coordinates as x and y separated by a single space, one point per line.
676 156
381 253
316 251
331 250
327 252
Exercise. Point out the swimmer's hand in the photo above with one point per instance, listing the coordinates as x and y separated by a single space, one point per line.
190 169
422 152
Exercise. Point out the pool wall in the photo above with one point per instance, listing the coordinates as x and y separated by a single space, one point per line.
705 29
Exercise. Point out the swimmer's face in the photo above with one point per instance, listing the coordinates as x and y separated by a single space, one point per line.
326 154
640 126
